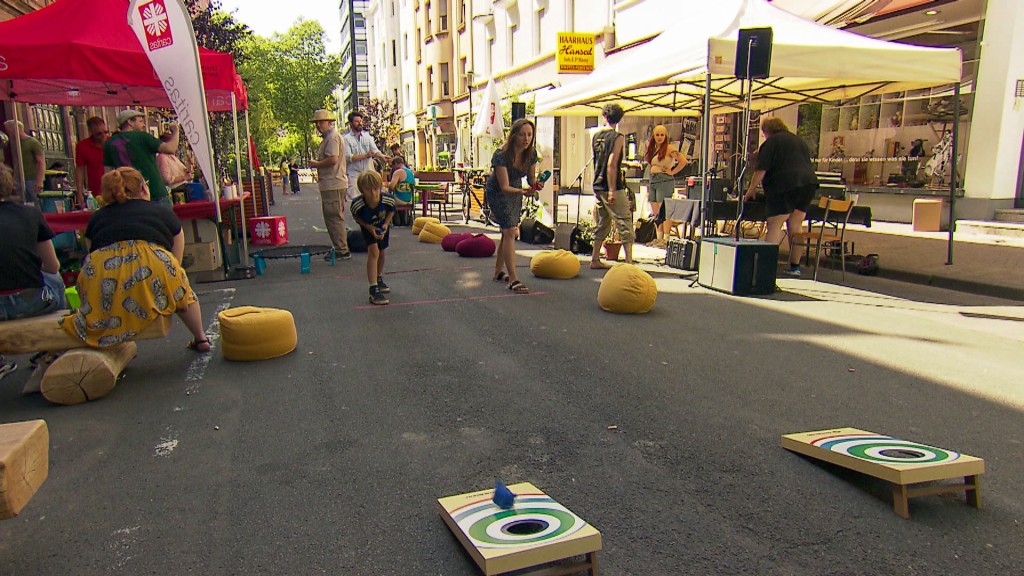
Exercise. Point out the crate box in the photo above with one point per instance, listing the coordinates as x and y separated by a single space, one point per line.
200 257
268 231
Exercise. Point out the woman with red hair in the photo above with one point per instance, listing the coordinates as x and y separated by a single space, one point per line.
665 162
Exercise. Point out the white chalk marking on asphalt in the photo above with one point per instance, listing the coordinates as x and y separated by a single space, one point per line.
166 446
124 538
197 369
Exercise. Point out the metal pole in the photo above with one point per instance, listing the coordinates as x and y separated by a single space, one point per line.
952 176
705 157
472 152
17 162
252 164
238 172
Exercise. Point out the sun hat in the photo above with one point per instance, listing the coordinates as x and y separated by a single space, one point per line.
322 114
127 115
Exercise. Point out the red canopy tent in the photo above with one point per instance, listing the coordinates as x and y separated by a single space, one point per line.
83 53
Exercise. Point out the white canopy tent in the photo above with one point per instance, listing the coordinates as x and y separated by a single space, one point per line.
683 73
810 62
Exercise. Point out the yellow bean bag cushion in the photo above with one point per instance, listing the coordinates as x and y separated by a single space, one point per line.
250 333
419 223
434 232
558 264
626 289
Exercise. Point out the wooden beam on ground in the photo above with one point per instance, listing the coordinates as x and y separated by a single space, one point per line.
85 374
24 464
43 333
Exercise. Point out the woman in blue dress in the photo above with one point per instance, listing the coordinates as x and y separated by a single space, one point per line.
504 192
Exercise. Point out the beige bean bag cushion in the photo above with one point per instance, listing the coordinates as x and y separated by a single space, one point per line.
626 289
434 232
419 223
251 333
557 264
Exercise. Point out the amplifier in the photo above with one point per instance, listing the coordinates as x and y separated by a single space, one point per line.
742 267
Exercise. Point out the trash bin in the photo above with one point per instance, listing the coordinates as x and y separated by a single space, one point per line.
927 215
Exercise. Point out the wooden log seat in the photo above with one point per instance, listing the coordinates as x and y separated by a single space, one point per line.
81 373
24 464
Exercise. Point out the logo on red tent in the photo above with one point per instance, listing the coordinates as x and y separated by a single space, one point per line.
156 25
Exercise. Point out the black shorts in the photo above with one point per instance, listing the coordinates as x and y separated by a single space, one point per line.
370 240
788 202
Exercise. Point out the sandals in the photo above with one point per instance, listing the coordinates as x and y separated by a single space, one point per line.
200 346
499 276
518 287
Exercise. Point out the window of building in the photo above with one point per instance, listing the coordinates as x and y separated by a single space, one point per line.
462 14
427 14
463 78
405 46
445 89
49 128
394 52
489 55
442 16
512 30
419 96
396 96
538 18
361 47
419 45
430 83
393 13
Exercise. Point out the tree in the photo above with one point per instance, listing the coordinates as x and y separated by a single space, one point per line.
383 121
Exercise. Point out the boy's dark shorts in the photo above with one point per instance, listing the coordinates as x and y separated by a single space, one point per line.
382 243
799 199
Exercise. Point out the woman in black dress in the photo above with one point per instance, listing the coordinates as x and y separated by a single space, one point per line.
504 192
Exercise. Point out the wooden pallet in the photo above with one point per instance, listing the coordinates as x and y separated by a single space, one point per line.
906 465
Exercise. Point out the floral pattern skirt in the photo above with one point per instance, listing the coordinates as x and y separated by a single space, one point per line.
124 287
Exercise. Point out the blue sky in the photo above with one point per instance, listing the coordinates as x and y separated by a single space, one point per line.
266 17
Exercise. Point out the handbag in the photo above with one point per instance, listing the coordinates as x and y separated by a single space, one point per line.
646 231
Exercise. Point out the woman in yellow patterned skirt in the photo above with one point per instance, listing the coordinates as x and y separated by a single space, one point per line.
133 273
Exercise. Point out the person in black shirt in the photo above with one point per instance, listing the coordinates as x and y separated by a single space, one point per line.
133 272
30 283
613 207
784 168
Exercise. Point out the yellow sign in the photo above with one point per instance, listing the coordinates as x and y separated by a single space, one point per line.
575 53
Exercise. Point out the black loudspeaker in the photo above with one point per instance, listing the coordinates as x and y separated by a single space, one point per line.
757 42
533 232
741 267
518 110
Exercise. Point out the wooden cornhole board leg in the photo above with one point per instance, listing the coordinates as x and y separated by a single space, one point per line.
902 493
905 464
24 464
85 373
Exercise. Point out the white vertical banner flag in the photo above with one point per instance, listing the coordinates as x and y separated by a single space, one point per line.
489 121
164 28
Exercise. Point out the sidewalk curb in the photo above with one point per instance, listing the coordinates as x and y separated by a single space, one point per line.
938 281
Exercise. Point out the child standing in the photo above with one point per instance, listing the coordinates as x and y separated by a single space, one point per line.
373 210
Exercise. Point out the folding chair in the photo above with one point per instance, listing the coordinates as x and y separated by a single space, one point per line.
837 214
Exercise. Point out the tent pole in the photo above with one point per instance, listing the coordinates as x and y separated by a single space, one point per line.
238 172
706 170
952 175
17 162
249 143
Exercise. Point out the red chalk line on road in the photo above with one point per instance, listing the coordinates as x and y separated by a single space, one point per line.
447 300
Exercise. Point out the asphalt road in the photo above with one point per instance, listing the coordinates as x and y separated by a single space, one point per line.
661 430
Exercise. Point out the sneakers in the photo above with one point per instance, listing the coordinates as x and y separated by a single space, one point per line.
376 298
345 256
793 271
6 368
381 286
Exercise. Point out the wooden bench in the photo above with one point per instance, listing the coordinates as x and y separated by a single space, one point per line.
80 373
24 464
912 468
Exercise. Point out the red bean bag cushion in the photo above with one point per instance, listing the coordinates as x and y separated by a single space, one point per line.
449 242
476 246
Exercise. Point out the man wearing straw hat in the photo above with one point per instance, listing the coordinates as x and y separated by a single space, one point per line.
333 181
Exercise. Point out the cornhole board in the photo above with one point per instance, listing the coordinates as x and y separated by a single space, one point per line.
900 462
537 530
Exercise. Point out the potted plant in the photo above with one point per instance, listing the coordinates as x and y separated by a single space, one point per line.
583 243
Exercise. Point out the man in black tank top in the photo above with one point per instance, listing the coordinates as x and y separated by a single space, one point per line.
609 189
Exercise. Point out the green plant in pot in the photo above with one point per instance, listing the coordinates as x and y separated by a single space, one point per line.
584 241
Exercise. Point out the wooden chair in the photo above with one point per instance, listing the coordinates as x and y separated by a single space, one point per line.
831 229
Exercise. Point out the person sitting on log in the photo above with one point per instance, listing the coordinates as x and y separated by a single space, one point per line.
30 282
133 273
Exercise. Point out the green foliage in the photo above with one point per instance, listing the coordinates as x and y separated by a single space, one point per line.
383 121
808 125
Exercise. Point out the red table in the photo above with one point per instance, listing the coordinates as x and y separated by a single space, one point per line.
71 221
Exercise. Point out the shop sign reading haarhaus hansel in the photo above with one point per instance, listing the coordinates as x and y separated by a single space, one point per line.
575 53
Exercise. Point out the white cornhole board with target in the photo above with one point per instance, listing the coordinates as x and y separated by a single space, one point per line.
901 462
535 531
